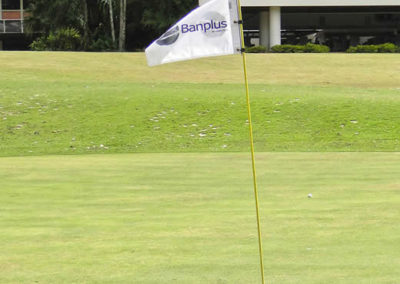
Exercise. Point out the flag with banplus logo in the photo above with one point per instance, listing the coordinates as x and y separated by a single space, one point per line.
210 30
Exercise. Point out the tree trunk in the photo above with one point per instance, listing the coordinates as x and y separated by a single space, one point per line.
110 6
86 31
122 25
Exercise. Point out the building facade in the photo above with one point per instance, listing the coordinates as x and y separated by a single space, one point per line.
12 24
336 23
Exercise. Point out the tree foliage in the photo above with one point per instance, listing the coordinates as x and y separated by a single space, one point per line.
63 39
99 22
46 16
166 13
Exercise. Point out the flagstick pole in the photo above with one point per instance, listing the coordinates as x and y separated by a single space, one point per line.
251 143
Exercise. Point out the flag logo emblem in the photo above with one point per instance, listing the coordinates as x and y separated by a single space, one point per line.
169 37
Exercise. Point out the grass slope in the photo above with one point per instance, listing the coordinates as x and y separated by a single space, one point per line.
189 218
75 103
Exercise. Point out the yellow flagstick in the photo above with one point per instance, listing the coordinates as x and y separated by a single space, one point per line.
251 144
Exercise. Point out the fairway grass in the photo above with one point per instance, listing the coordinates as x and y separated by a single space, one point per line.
189 218
180 207
333 69
81 103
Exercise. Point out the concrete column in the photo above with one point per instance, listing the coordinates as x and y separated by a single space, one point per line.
264 28
274 25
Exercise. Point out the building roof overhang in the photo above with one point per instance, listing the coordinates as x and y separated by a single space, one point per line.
320 3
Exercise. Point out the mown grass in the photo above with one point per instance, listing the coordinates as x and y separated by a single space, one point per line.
351 70
160 217
189 218
74 103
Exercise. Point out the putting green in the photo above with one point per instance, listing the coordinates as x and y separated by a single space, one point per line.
189 218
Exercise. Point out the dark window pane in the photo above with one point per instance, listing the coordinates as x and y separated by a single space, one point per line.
13 26
11 4
1 27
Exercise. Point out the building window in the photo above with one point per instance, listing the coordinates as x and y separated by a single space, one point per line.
13 26
11 4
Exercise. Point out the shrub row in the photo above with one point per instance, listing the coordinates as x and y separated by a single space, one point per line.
288 48
316 48
69 39
379 48
308 48
256 49
63 39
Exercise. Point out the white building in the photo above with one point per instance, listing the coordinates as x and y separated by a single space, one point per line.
338 23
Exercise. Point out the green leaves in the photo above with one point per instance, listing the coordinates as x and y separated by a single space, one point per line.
98 23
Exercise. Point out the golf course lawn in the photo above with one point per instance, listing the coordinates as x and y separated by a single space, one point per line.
114 172
84 103
189 218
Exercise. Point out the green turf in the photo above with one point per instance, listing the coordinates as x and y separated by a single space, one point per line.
72 103
189 218
168 217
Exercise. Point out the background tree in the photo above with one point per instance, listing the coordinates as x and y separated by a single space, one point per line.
140 21
46 16
111 12
122 25
147 20
160 15
85 24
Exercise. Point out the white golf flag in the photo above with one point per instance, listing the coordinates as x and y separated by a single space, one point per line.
209 30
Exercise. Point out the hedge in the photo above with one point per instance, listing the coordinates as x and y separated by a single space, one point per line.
256 49
308 48
378 48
